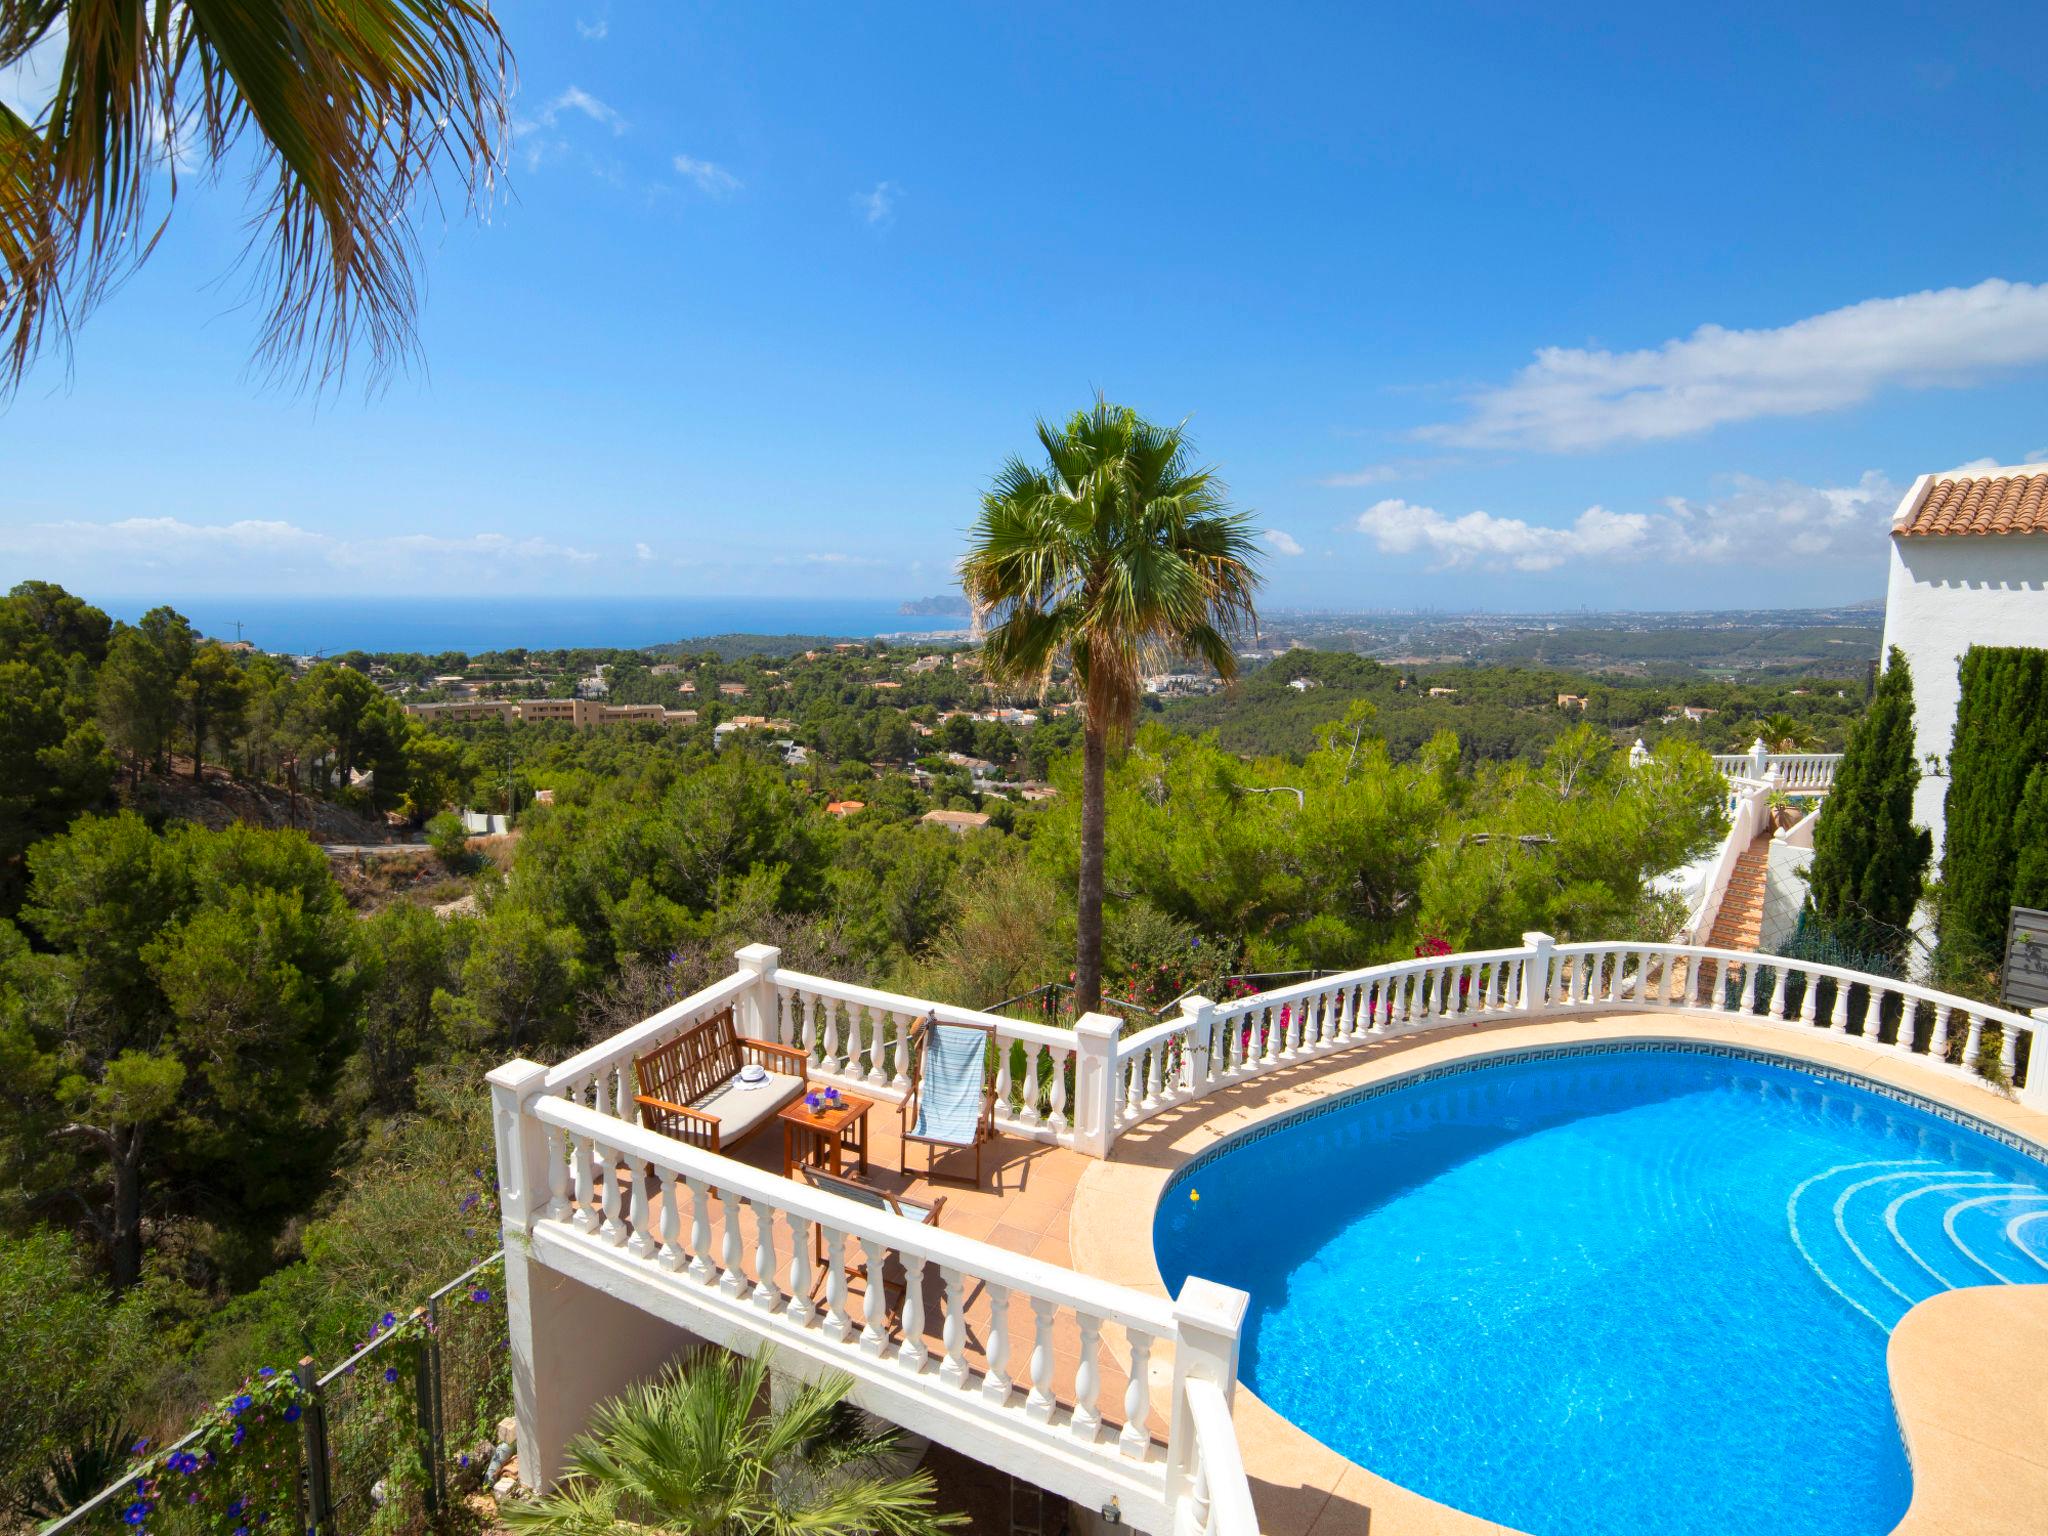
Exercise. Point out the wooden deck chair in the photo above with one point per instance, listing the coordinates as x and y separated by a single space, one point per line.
864 1193
952 1100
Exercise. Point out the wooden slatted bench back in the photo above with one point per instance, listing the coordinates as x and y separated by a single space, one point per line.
693 1063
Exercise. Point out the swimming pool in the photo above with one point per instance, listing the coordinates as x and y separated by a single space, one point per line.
1607 1290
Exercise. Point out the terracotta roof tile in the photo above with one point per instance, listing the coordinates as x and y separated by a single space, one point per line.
1981 504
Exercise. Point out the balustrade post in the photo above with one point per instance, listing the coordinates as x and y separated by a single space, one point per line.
525 1175
1198 1026
313 1433
758 1010
1536 969
1095 1084
1207 1320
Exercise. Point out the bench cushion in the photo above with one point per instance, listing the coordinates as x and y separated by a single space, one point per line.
740 1108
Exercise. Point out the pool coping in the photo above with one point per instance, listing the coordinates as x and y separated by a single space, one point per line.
1302 1485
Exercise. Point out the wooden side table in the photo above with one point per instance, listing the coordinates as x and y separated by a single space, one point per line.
824 1139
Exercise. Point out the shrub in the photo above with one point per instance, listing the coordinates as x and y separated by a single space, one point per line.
449 839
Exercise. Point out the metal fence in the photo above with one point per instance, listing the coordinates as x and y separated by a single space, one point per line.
389 1436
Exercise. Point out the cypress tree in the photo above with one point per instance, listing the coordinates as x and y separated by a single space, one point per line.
2001 740
2030 833
1868 857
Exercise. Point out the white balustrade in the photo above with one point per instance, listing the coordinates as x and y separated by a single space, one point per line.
737 1270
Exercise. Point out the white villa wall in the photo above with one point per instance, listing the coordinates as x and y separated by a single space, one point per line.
585 1345
1946 594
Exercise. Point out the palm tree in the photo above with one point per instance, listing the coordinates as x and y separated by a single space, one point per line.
695 1454
1114 549
351 107
1786 733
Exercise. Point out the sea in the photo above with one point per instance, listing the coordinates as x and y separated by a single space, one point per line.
325 625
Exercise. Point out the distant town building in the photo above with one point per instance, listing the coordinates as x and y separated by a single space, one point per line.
884 683
1969 566
1443 693
1566 700
845 807
578 713
1176 684
731 690
925 664
1303 684
959 823
663 669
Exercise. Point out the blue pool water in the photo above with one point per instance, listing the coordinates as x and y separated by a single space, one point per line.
1631 1293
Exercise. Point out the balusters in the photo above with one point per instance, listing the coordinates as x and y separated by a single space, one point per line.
800 1282
835 1059
559 1147
582 1153
875 1020
734 1279
995 1384
899 1075
641 1244
2008 1053
1035 1059
874 1303
611 1229
1056 1118
836 1325
1003 1077
1838 1020
1087 1420
1748 1004
671 1222
912 1353
1133 1068
700 1268
1136 1439
953 1335
1938 1043
808 1025
1155 1063
764 1291
1038 1405
1973 1042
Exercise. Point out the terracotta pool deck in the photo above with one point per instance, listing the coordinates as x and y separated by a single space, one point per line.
1972 1415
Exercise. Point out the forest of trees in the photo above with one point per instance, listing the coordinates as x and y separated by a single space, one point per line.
239 1103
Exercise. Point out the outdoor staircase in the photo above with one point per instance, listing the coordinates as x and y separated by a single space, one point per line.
1739 924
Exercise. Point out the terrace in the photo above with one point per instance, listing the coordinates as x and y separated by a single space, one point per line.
1032 1330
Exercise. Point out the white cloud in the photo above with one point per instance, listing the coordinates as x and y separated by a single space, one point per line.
713 179
1284 543
830 557
878 206
1756 522
1479 538
644 553
1976 466
1574 398
1381 474
593 31
1763 522
576 99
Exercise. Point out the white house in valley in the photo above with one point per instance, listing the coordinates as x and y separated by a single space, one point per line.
1969 567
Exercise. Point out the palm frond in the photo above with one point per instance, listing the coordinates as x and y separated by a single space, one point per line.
353 107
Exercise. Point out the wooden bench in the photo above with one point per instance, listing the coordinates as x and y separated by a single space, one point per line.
689 1089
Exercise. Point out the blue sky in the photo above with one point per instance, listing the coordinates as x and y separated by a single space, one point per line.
1476 307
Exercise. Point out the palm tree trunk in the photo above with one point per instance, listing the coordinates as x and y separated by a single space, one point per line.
1088 926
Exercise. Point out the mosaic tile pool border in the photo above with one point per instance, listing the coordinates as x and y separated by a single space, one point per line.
1998 1133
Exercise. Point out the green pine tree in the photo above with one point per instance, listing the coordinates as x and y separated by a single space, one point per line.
1868 857
2030 834
2001 741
